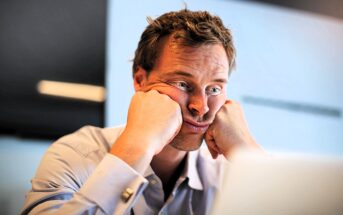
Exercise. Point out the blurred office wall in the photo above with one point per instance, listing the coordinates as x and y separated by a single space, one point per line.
19 160
288 76
45 42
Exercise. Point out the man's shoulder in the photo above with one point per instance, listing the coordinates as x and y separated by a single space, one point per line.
90 139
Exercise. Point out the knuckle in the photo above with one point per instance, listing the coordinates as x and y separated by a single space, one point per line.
154 92
151 92
138 93
175 106
229 101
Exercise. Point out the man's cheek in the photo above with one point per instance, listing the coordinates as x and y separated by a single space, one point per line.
217 103
177 95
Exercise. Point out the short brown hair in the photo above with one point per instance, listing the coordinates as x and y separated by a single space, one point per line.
189 28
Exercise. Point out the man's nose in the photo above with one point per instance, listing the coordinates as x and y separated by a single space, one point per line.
198 104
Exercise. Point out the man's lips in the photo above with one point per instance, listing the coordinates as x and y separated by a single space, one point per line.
196 127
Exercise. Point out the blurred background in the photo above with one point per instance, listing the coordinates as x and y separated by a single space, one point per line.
65 64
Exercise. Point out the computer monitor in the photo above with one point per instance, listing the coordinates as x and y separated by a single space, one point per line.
281 184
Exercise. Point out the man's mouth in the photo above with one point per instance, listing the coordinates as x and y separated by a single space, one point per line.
196 127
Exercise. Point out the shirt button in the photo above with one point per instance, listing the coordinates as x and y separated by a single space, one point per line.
153 182
126 195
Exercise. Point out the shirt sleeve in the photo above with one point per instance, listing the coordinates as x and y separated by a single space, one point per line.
119 187
68 182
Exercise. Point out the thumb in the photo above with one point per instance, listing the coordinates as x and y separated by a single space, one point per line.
211 145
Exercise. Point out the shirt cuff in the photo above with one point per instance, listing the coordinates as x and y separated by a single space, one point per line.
114 185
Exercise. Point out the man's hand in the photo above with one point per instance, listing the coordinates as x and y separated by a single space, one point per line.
153 121
229 131
154 117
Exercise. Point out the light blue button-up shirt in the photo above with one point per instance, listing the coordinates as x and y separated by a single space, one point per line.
77 175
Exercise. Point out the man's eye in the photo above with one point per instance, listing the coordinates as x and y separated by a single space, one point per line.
182 85
214 91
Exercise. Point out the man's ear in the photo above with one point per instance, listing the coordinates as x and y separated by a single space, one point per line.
140 78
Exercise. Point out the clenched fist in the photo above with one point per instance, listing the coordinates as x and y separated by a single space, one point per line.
155 117
229 131
153 121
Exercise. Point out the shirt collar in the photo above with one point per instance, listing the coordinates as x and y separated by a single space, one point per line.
190 171
149 171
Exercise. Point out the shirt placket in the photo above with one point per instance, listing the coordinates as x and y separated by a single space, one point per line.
173 195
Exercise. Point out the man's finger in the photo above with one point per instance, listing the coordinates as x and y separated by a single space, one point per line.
212 147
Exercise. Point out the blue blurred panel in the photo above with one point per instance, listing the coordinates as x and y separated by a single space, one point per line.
283 55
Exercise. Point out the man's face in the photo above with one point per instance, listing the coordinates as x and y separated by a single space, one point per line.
196 79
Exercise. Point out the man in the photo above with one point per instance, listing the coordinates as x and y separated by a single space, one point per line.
155 163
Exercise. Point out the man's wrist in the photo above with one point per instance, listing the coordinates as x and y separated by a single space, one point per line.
133 150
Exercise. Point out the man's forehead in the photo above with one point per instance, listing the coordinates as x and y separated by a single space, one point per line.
176 58
212 54
179 48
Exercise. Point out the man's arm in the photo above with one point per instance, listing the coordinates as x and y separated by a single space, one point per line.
65 182
76 175
229 131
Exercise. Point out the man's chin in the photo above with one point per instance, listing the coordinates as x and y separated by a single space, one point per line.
184 148
187 143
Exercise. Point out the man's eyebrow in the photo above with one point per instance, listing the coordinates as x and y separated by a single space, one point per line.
181 73
189 75
221 80
186 74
